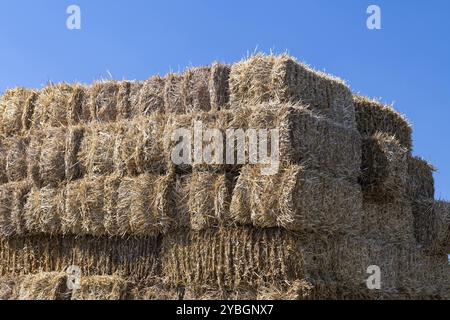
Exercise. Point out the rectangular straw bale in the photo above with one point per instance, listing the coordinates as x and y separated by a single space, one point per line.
56 106
52 169
423 275
151 97
84 207
74 138
282 79
173 94
43 211
196 94
389 221
311 140
111 194
3 162
96 154
78 109
298 200
229 258
16 108
373 116
205 197
432 225
134 258
44 286
384 168
219 88
186 124
16 158
139 145
101 288
420 179
127 98
142 205
103 101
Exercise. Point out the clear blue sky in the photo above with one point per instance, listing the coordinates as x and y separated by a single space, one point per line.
407 62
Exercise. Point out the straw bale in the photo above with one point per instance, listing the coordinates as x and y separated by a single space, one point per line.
3 163
372 117
420 179
74 138
101 288
56 106
43 210
52 169
210 120
127 98
103 101
156 292
173 94
196 94
6 207
432 225
142 206
20 193
423 275
96 154
205 197
139 145
8 288
282 79
16 158
84 207
33 157
311 140
44 286
133 258
151 97
384 168
219 86
229 258
16 107
298 200
78 109
111 195
389 221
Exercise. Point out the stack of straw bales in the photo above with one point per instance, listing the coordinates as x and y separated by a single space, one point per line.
87 180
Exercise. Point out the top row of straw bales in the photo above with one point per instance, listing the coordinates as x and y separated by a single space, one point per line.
254 81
